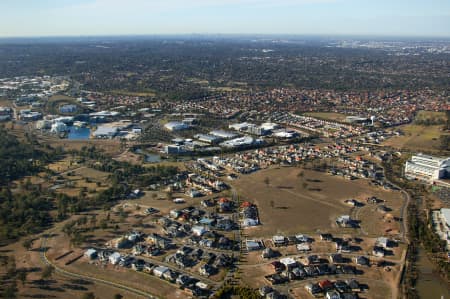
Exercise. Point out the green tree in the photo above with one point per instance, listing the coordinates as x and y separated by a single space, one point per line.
169 195
9 292
22 276
93 221
47 272
88 295
27 244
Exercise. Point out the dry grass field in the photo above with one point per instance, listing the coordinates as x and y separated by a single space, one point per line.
146 93
328 116
417 138
111 147
431 115
297 209
58 286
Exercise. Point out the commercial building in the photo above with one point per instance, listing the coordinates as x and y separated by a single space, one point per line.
5 113
441 220
223 134
211 139
176 126
105 132
28 115
239 142
58 127
427 168
240 126
69 108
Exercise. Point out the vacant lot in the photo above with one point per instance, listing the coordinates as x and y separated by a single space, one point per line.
291 204
108 146
435 116
145 93
417 138
328 116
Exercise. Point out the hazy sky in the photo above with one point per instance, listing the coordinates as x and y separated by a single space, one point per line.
120 17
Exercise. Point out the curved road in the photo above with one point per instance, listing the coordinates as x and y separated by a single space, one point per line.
46 261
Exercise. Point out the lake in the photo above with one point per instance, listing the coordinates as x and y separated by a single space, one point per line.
77 133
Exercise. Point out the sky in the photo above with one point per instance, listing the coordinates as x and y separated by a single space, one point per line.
26 18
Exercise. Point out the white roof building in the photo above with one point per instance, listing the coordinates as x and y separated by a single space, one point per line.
58 127
238 142
427 167
176 126
446 216
288 261
160 270
114 258
270 126
240 126
105 132
223 134
199 230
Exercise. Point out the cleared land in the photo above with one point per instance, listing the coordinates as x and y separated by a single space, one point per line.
328 116
286 206
438 116
109 146
146 93
417 138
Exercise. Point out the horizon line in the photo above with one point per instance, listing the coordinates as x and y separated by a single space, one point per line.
329 35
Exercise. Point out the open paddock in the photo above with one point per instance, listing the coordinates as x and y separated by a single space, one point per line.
331 116
417 138
287 206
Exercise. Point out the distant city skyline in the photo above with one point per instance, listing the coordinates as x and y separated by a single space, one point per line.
409 18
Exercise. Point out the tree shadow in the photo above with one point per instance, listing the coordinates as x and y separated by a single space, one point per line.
39 296
81 281
75 287
282 208
285 187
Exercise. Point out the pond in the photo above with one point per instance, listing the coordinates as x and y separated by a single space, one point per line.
78 133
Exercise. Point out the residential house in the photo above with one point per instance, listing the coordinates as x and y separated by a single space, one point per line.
114 258
91 253
362 261
206 270
160 270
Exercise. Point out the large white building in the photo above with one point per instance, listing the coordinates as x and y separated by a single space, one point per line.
427 168
441 219
176 126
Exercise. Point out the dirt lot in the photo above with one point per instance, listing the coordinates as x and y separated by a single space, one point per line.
286 207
